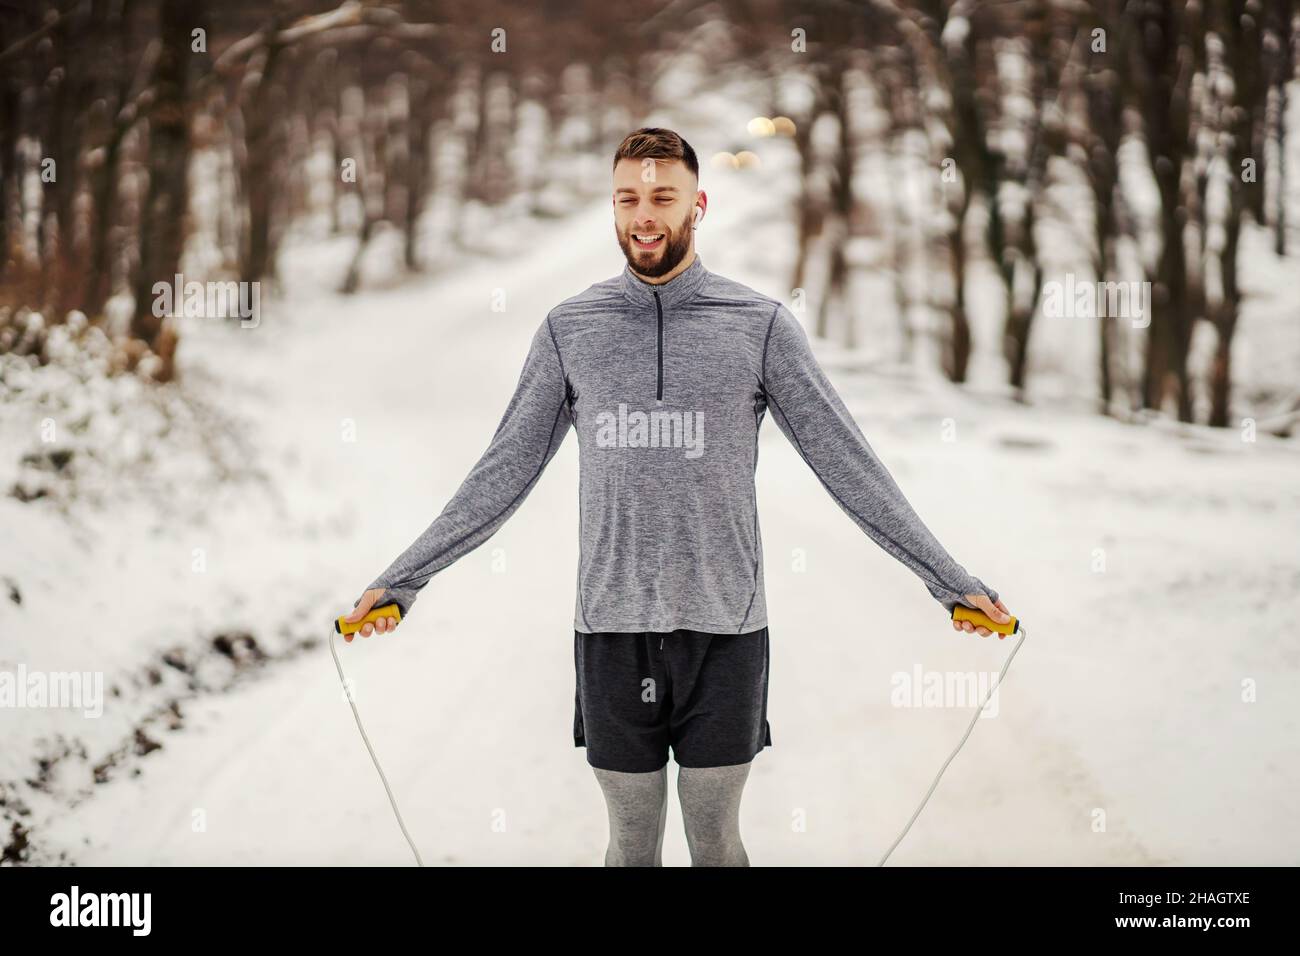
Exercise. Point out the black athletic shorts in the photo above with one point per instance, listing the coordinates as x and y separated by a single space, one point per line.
705 695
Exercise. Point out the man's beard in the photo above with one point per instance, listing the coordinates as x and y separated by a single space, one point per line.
676 244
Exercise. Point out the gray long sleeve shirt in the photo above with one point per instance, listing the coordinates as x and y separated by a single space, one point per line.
666 386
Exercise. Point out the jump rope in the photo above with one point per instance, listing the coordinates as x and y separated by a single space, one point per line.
960 613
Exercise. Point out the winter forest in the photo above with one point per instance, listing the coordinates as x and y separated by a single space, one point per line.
267 273
1118 141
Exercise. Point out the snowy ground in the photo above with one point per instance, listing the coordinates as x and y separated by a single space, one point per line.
1155 568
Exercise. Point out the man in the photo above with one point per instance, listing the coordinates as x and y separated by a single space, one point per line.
665 372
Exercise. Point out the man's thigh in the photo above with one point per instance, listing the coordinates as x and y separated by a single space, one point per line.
718 716
621 700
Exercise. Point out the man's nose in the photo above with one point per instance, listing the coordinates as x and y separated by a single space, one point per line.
646 215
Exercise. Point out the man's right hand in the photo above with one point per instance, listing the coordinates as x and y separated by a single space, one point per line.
997 612
368 600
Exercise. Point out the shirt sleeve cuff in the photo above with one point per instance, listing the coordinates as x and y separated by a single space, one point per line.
950 599
402 597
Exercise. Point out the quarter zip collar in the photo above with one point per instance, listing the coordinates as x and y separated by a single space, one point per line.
680 288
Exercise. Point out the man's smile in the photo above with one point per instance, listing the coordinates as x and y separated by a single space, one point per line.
647 241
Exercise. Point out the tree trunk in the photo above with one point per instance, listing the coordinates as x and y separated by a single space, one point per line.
162 223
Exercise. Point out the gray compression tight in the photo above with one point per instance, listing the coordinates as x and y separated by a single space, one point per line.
638 809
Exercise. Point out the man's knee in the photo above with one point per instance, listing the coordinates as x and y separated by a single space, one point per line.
637 804
710 798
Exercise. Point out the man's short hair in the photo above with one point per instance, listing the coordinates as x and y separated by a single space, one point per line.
651 142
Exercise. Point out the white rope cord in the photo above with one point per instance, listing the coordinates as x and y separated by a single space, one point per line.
979 710
352 704
926 799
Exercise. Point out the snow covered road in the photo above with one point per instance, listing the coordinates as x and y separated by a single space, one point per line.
1155 572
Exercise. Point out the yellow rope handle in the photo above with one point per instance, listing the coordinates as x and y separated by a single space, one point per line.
342 626
963 613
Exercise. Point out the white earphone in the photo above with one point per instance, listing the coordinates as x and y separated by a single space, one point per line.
698 214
